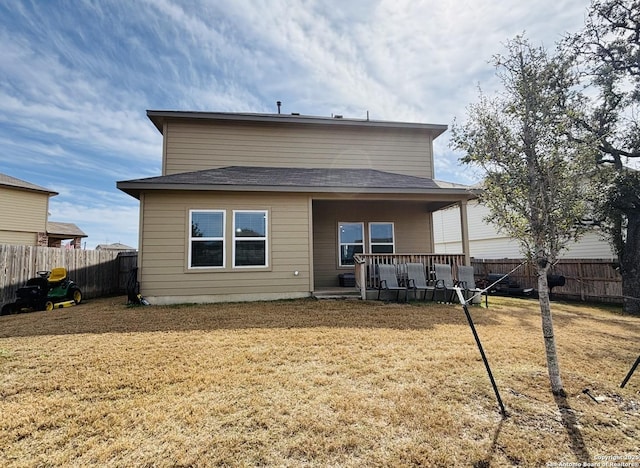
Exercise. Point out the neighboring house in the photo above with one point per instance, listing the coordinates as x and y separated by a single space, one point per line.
116 246
486 242
267 206
24 216
59 232
23 212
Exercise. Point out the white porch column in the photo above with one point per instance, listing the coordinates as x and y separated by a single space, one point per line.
464 225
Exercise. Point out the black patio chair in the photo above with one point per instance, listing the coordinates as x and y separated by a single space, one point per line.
444 283
418 280
467 283
389 282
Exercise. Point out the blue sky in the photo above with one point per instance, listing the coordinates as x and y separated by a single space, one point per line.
76 78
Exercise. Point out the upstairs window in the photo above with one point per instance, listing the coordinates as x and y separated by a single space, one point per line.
250 239
206 239
351 239
381 238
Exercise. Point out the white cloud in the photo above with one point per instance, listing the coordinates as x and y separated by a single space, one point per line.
39 93
75 81
103 224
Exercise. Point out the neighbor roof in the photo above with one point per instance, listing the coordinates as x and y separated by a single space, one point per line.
115 246
281 179
64 230
158 117
13 182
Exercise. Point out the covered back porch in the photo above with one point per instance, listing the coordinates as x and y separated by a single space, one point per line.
352 236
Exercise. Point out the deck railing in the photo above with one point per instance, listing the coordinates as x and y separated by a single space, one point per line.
366 275
587 279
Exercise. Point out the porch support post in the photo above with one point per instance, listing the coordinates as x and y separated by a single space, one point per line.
464 225
312 279
361 278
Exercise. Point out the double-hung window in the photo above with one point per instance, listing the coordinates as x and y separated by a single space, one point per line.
250 238
381 238
206 239
351 239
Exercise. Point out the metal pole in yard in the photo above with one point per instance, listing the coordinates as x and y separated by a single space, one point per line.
633 369
503 412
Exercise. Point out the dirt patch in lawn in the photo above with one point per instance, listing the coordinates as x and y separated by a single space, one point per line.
316 383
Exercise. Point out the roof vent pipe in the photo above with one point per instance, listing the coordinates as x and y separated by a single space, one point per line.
278 103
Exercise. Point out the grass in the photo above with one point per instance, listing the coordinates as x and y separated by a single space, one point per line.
313 383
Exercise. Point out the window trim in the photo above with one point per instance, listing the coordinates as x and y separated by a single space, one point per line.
340 244
393 236
265 239
204 239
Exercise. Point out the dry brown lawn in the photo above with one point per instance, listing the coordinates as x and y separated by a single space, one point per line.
313 383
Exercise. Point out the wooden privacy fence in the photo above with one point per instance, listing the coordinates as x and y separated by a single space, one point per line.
594 280
127 261
96 272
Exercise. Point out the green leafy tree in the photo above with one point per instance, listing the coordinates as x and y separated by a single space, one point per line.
534 174
607 54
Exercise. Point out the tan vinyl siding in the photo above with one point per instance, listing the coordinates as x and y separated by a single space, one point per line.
18 238
412 225
194 146
164 269
22 213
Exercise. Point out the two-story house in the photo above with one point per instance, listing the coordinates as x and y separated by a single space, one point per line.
24 216
269 206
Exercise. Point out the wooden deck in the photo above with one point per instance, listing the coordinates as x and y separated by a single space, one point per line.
366 273
587 279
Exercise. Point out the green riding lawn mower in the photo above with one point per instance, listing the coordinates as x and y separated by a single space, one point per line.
49 290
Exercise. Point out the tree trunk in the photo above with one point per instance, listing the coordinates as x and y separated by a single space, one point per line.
630 265
547 332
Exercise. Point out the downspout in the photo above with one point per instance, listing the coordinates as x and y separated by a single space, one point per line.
140 237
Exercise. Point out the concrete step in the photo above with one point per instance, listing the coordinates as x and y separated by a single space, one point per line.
337 293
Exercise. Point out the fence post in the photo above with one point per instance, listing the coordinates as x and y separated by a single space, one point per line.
580 280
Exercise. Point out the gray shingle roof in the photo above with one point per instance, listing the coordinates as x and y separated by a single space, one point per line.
64 229
289 177
14 182
272 179
115 246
